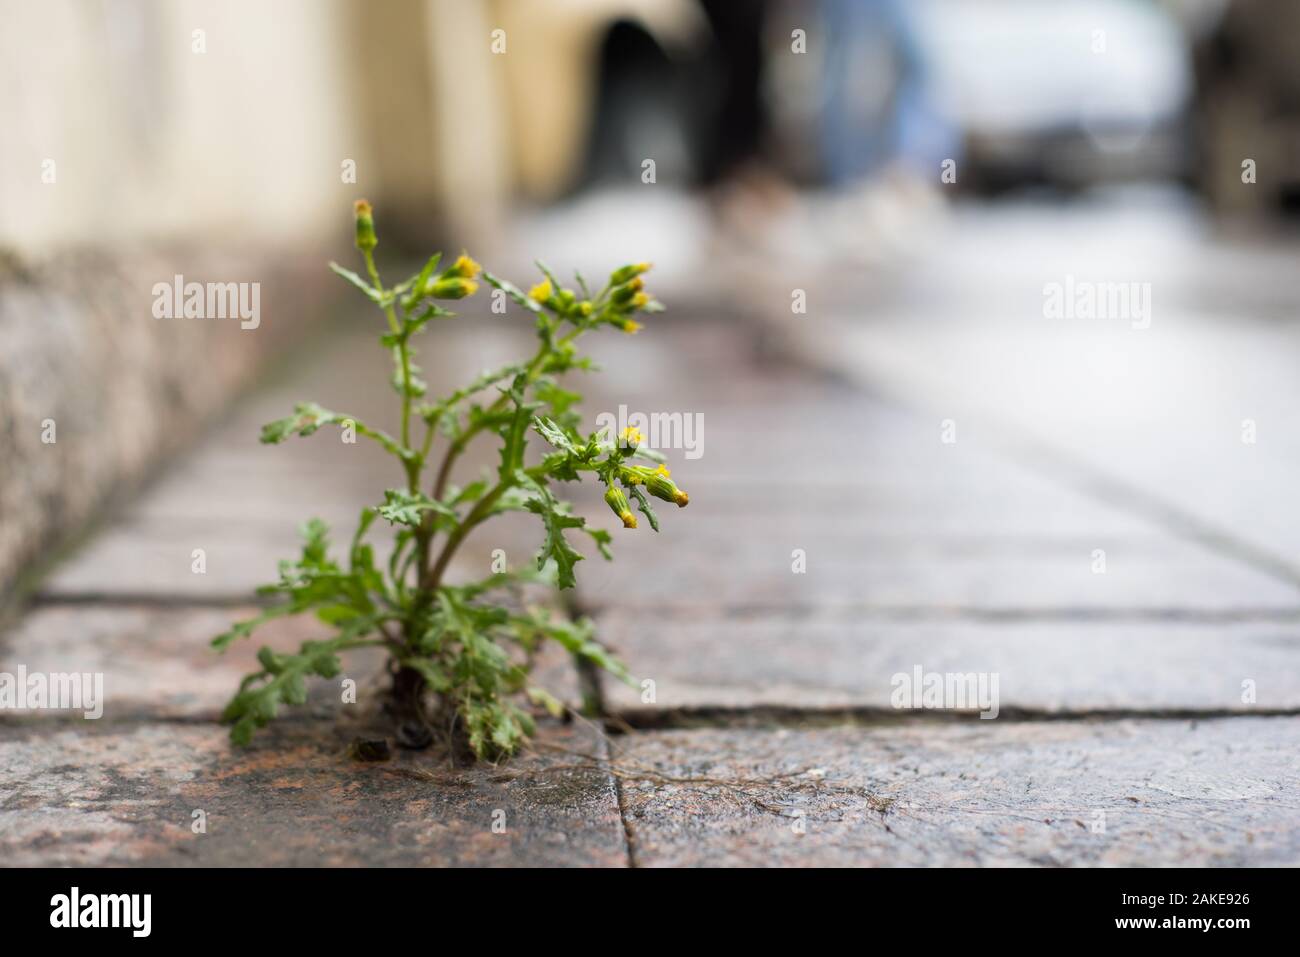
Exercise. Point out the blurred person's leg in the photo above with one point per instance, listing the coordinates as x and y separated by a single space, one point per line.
879 110
842 108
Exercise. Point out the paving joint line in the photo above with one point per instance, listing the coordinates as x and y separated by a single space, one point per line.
626 722
145 599
833 612
1042 457
794 717
823 611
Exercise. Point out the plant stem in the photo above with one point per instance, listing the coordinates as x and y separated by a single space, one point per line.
477 514
431 578
413 464
444 470
404 355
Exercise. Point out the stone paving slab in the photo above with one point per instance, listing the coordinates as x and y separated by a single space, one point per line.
946 507
156 559
242 502
1167 793
886 513
824 663
757 567
126 795
1193 412
157 662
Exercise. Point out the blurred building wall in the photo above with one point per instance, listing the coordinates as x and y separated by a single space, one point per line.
239 132
151 138
132 149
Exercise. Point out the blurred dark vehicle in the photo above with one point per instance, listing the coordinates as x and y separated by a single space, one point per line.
1067 93
1016 92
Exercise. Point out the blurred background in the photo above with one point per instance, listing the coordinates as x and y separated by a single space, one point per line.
229 120
920 171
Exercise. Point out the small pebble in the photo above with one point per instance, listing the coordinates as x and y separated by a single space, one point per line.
370 749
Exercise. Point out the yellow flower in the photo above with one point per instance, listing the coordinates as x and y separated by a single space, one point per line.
630 437
465 267
631 327
639 300
541 292
663 470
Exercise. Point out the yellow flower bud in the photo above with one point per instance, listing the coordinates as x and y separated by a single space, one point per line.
452 288
661 486
626 291
620 276
618 503
541 292
366 239
630 438
631 327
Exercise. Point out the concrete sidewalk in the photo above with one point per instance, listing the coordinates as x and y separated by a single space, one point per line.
833 541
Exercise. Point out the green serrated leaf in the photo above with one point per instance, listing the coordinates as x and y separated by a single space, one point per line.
419 281
643 506
556 285
544 699
430 311
603 539
552 433
510 289
556 519
371 292
514 433
308 417
244 629
402 507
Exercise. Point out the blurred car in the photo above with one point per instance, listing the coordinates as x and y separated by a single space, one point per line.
1065 93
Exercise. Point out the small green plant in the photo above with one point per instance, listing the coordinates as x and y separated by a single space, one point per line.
467 646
